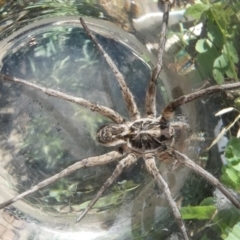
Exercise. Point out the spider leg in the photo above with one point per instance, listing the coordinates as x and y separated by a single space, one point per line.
150 100
126 93
87 162
153 170
105 111
207 176
124 163
167 112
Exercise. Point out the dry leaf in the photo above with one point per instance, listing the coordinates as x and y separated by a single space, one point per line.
224 130
225 110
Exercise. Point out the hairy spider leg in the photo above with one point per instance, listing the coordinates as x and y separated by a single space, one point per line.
183 159
168 111
87 162
126 93
123 164
105 111
150 99
150 163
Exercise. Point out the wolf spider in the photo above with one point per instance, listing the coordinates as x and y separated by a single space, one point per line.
150 137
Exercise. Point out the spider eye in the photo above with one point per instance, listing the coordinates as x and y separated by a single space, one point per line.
111 135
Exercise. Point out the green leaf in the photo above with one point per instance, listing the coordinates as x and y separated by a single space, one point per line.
214 34
229 48
221 61
73 187
229 72
222 15
204 237
235 233
227 218
231 171
196 11
103 202
218 76
232 174
198 212
202 45
205 61
237 103
207 201
230 177
57 194
234 146
237 167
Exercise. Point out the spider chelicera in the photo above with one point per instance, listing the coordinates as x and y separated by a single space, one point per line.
151 137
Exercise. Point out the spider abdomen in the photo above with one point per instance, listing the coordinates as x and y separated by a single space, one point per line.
146 136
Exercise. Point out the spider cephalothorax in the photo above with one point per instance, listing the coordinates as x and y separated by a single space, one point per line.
112 134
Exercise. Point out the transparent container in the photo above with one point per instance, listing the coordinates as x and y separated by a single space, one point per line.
43 42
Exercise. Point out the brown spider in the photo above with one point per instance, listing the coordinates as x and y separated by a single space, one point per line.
151 137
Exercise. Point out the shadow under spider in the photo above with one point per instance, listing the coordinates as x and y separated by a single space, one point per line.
150 137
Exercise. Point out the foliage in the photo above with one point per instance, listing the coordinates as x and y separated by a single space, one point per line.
217 55
198 212
231 171
218 213
216 46
47 149
234 234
